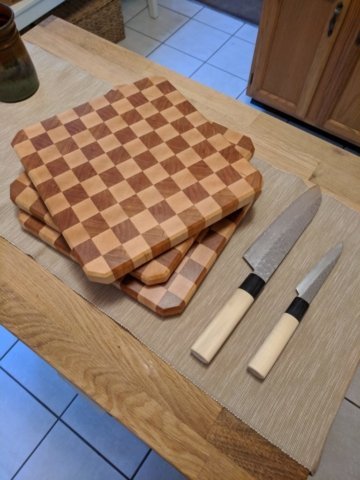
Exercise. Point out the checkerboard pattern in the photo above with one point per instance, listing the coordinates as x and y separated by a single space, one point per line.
133 173
171 297
158 270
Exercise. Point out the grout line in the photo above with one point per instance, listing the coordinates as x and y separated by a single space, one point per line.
33 451
215 28
8 350
141 464
32 394
136 14
61 420
181 13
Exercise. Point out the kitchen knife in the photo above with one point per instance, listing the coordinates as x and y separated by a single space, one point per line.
264 256
270 350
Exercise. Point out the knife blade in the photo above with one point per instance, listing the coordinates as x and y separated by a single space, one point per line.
264 256
265 358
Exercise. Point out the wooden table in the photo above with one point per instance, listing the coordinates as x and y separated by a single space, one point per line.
165 410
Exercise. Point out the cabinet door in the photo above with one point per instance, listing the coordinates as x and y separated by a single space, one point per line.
336 107
295 40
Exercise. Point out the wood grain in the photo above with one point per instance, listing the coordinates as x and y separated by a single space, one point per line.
132 384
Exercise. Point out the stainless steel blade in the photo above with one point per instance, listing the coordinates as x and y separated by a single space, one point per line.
272 246
312 282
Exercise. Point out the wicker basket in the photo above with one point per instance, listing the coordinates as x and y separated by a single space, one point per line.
102 17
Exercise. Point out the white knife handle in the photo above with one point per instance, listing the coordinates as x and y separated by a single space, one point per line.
216 333
265 358
220 328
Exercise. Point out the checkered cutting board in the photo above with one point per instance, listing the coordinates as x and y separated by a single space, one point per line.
158 270
171 297
133 173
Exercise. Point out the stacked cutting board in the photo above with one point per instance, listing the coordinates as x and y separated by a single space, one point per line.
138 188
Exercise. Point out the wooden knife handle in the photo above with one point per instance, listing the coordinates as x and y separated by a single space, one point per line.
219 329
214 336
265 358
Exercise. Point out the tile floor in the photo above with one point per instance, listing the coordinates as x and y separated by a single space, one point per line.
47 428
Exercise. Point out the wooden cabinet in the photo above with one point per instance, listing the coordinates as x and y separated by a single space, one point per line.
307 63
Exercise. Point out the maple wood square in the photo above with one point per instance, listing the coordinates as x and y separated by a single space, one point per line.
150 196
114 215
128 169
121 191
143 221
156 173
93 185
179 202
56 203
78 231
125 231
167 132
184 179
135 147
85 209
106 241
58 134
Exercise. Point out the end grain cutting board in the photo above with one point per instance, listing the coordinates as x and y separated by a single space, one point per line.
128 175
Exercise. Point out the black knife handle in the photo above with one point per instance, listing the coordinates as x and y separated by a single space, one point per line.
297 308
253 284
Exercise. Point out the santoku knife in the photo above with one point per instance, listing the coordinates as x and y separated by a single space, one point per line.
270 350
264 256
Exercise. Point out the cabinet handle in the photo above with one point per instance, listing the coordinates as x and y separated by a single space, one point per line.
334 18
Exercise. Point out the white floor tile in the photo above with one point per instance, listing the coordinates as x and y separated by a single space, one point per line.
156 468
7 340
38 377
23 423
130 8
215 19
106 434
340 458
159 28
248 32
139 43
234 57
198 39
178 61
64 456
182 6
219 80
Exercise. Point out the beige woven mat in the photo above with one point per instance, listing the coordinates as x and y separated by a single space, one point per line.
295 406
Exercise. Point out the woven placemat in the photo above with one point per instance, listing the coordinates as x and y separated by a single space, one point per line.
295 406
